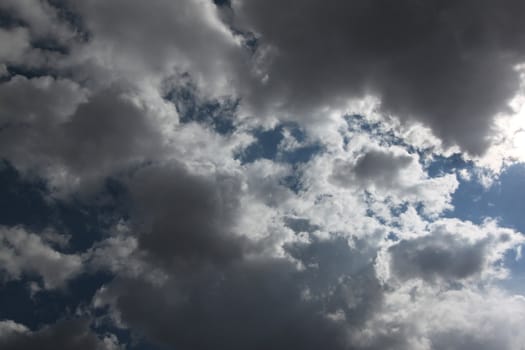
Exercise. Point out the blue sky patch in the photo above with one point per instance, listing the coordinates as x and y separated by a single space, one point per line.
267 144
503 200
217 114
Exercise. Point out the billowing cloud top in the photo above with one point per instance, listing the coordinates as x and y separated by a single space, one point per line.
249 174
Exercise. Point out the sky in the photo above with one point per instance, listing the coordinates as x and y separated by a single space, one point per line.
262 174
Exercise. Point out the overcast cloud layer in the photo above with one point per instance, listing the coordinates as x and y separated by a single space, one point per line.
256 174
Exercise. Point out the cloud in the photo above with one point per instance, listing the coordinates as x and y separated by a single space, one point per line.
376 166
438 257
186 216
332 237
57 128
41 18
26 253
263 180
254 301
65 334
252 304
390 175
449 65
149 41
15 43
419 318
453 251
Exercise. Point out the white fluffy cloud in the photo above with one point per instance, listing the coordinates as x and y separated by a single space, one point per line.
419 318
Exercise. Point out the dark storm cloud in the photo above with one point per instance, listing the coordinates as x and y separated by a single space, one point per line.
378 167
448 64
439 257
185 216
256 303
65 334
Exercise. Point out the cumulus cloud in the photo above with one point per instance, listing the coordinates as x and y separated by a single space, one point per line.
14 43
150 41
378 167
56 127
254 301
65 334
343 248
449 65
419 318
26 253
41 18
390 175
452 251
185 216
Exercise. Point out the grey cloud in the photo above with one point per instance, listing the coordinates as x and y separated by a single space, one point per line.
448 64
105 130
452 251
255 302
42 101
380 166
15 43
39 36
65 334
40 17
265 182
439 257
186 217
342 275
26 253
218 293
374 167
469 341
445 63
164 37
299 225
47 122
